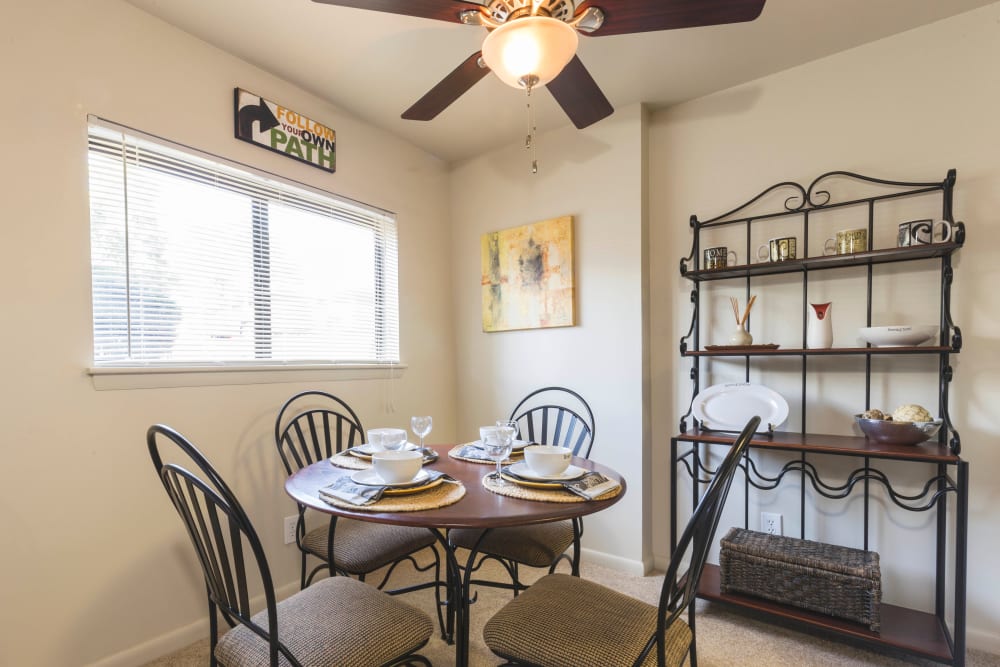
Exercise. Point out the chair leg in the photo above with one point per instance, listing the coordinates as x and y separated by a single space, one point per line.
302 583
437 593
692 651
213 633
577 532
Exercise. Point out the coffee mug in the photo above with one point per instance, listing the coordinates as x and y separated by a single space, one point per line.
847 241
921 232
718 257
777 250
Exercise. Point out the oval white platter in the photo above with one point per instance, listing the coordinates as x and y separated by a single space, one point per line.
728 407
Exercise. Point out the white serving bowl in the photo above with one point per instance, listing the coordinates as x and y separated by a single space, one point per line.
397 467
381 439
898 335
547 460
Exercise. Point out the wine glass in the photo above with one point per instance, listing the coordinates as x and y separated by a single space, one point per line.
421 426
511 424
497 442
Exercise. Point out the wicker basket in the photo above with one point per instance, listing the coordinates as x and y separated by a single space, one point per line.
830 579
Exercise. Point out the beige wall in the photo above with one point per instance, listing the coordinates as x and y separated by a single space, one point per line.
595 175
908 107
93 552
94 562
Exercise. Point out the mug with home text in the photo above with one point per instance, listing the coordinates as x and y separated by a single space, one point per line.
847 242
921 232
718 257
777 250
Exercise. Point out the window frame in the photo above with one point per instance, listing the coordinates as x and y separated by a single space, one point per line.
145 374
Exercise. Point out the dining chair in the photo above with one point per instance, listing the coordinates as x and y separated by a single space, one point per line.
314 425
546 416
337 622
564 621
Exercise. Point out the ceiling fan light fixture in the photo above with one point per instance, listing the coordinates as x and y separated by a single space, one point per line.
531 49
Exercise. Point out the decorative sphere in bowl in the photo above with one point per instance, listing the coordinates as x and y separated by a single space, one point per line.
898 433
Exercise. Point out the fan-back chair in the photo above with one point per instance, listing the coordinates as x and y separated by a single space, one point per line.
337 622
312 426
547 416
564 621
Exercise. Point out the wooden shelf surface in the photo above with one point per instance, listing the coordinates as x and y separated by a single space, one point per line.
931 451
880 256
833 351
914 632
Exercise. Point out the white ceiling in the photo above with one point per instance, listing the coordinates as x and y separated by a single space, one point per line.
375 65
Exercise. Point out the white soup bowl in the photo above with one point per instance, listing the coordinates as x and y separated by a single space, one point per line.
397 467
547 460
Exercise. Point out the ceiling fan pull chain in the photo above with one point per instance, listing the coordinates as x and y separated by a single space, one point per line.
529 141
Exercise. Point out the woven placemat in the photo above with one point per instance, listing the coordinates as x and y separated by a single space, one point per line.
349 461
440 496
547 495
453 453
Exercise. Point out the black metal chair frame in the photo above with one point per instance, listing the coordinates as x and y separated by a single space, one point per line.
218 526
299 445
568 428
680 589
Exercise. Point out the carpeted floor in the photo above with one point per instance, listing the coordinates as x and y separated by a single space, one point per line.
725 638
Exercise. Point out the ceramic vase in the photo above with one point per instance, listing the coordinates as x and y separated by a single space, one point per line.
741 337
819 330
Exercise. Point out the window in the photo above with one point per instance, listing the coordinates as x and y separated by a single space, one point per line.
198 262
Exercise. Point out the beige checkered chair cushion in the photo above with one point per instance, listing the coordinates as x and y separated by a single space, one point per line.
336 622
566 621
360 547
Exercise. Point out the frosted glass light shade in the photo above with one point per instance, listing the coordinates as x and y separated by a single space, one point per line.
531 46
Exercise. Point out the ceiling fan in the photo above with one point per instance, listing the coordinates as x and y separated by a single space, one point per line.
533 42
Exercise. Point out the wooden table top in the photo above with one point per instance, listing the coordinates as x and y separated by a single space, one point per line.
480 508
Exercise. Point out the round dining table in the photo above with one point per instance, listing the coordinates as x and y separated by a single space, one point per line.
479 508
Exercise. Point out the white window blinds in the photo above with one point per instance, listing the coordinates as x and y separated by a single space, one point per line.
196 261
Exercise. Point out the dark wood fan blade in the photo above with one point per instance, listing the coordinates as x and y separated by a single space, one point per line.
448 90
579 95
622 17
442 10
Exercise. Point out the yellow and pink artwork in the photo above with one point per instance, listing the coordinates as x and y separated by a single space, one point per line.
527 278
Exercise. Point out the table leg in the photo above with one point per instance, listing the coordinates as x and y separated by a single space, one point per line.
458 585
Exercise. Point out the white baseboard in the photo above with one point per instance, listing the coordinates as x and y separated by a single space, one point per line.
178 638
618 563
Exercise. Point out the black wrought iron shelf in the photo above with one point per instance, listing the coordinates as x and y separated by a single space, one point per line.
824 262
944 473
835 351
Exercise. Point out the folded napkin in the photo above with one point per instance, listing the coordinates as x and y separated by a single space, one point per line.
347 490
591 485
473 452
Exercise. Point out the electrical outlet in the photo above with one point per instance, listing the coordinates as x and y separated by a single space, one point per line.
770 523
290 523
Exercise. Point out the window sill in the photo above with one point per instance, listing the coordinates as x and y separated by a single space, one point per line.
154 377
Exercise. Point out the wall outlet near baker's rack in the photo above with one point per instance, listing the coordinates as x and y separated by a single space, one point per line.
770 523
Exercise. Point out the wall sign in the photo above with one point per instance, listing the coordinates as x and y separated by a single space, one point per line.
284 131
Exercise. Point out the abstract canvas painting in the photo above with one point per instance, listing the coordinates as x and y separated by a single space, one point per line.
527 278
